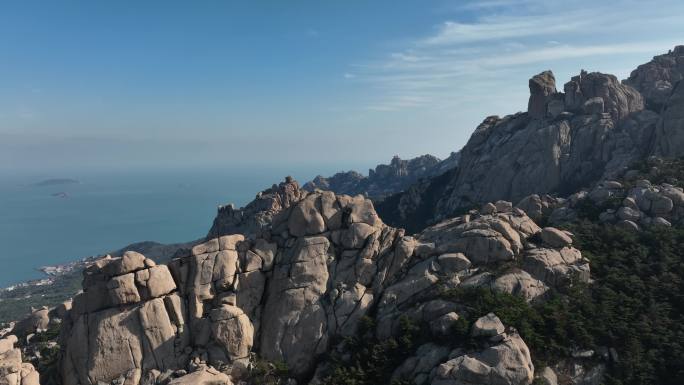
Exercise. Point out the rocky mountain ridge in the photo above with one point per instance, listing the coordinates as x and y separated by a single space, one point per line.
591 131
385 179
325 262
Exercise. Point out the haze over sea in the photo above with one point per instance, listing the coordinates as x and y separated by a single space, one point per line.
107 211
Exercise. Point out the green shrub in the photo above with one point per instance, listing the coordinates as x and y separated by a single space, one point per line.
371 361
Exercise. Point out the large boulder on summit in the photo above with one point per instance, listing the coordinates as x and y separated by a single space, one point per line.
542 87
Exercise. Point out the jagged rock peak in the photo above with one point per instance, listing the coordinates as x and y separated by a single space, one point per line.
542 87
619 99
257 215
592 130
657 78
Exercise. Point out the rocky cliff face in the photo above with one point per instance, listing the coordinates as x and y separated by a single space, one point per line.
385 179
289 295
591 131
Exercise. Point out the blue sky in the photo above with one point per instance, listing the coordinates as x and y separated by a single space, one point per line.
117 84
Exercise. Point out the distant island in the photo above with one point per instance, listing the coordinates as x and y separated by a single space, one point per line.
56 182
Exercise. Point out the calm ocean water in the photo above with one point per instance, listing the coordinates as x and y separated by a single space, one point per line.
109 211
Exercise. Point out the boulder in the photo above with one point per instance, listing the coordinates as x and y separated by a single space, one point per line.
542 86
12 370
628 214
453 262
659 221
556 267
520 283
487 326
507 363
627 225
122 289
305 218
443 325
38 320
233 331
204 376
154 282
131 261
555 238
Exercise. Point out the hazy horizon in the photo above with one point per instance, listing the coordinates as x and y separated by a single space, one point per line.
158 85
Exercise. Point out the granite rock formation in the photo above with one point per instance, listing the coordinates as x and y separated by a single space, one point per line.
316 268
591 131
12 370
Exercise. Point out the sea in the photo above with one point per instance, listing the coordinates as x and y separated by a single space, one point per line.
47 225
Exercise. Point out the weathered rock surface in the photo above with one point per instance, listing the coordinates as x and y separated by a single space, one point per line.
505 362
656 79
12 370
258 214
316 268
642 204
566 140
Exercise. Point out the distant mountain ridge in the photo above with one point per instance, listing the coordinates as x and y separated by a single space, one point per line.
385 179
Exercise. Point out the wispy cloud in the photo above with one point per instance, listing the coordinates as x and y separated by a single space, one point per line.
479 56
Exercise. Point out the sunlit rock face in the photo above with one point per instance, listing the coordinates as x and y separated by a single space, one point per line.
288 294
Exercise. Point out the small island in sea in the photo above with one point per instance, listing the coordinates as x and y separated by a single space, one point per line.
56 182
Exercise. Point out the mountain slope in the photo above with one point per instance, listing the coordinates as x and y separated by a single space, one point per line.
592 130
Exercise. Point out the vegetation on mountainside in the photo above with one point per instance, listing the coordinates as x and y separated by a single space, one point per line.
17 303
635 305
370 361
263 372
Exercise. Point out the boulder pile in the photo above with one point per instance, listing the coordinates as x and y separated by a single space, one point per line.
12 370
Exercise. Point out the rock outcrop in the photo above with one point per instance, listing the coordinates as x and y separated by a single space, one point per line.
505 359
319 264
258 214
656 79
632 204
591 131
12 370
